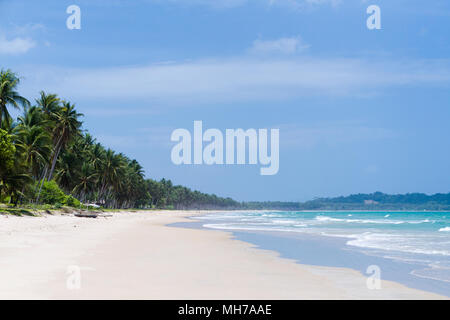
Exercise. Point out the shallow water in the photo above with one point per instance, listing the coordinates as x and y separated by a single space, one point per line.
410 247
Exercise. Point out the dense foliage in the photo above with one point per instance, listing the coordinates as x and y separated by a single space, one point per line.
46 157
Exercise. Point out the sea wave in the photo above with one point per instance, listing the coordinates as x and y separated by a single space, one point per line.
446 229
391 242
380 221
440 274
246 227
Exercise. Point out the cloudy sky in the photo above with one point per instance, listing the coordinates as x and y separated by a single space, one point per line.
358 110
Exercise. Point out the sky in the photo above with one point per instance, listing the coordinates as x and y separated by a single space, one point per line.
358 110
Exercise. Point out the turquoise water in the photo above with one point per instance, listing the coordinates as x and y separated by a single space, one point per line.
419 238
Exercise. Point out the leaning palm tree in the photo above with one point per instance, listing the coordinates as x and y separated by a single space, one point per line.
8 94
66 127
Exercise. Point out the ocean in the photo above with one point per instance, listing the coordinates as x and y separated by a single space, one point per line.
412 248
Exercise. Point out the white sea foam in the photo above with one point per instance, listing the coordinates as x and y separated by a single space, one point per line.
324 218
397 242
381 221
225 226
446 229
285 222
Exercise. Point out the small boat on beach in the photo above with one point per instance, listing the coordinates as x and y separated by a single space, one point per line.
86 215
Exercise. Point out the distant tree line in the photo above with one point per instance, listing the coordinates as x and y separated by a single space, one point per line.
361 201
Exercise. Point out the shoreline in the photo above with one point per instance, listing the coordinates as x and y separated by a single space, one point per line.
136 255
332 252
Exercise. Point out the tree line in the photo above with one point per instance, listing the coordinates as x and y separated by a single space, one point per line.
362 201
46 157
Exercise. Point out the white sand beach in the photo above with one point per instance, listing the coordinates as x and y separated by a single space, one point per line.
135 255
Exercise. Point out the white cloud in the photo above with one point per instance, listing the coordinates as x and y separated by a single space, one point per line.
283 45
235 80
15 46
19 40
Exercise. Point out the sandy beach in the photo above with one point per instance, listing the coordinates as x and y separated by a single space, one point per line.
135 255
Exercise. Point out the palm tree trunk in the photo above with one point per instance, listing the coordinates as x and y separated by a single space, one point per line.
58 146
55 158
44 173
41 183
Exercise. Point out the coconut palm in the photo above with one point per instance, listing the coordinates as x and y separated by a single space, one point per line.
35 145
86 181
8 94
49 102
67 170
33 140
66 127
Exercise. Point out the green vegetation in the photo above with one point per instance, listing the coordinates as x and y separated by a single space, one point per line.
372 201
52 194
46 158
7 152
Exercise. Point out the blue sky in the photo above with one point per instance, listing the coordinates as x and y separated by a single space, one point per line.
358 110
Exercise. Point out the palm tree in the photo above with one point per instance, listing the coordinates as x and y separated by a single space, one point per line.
97 156
50 103
15 183
13 174
7 157
67 126
106 170
8 94
32 116
86 181
33 140
67 170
